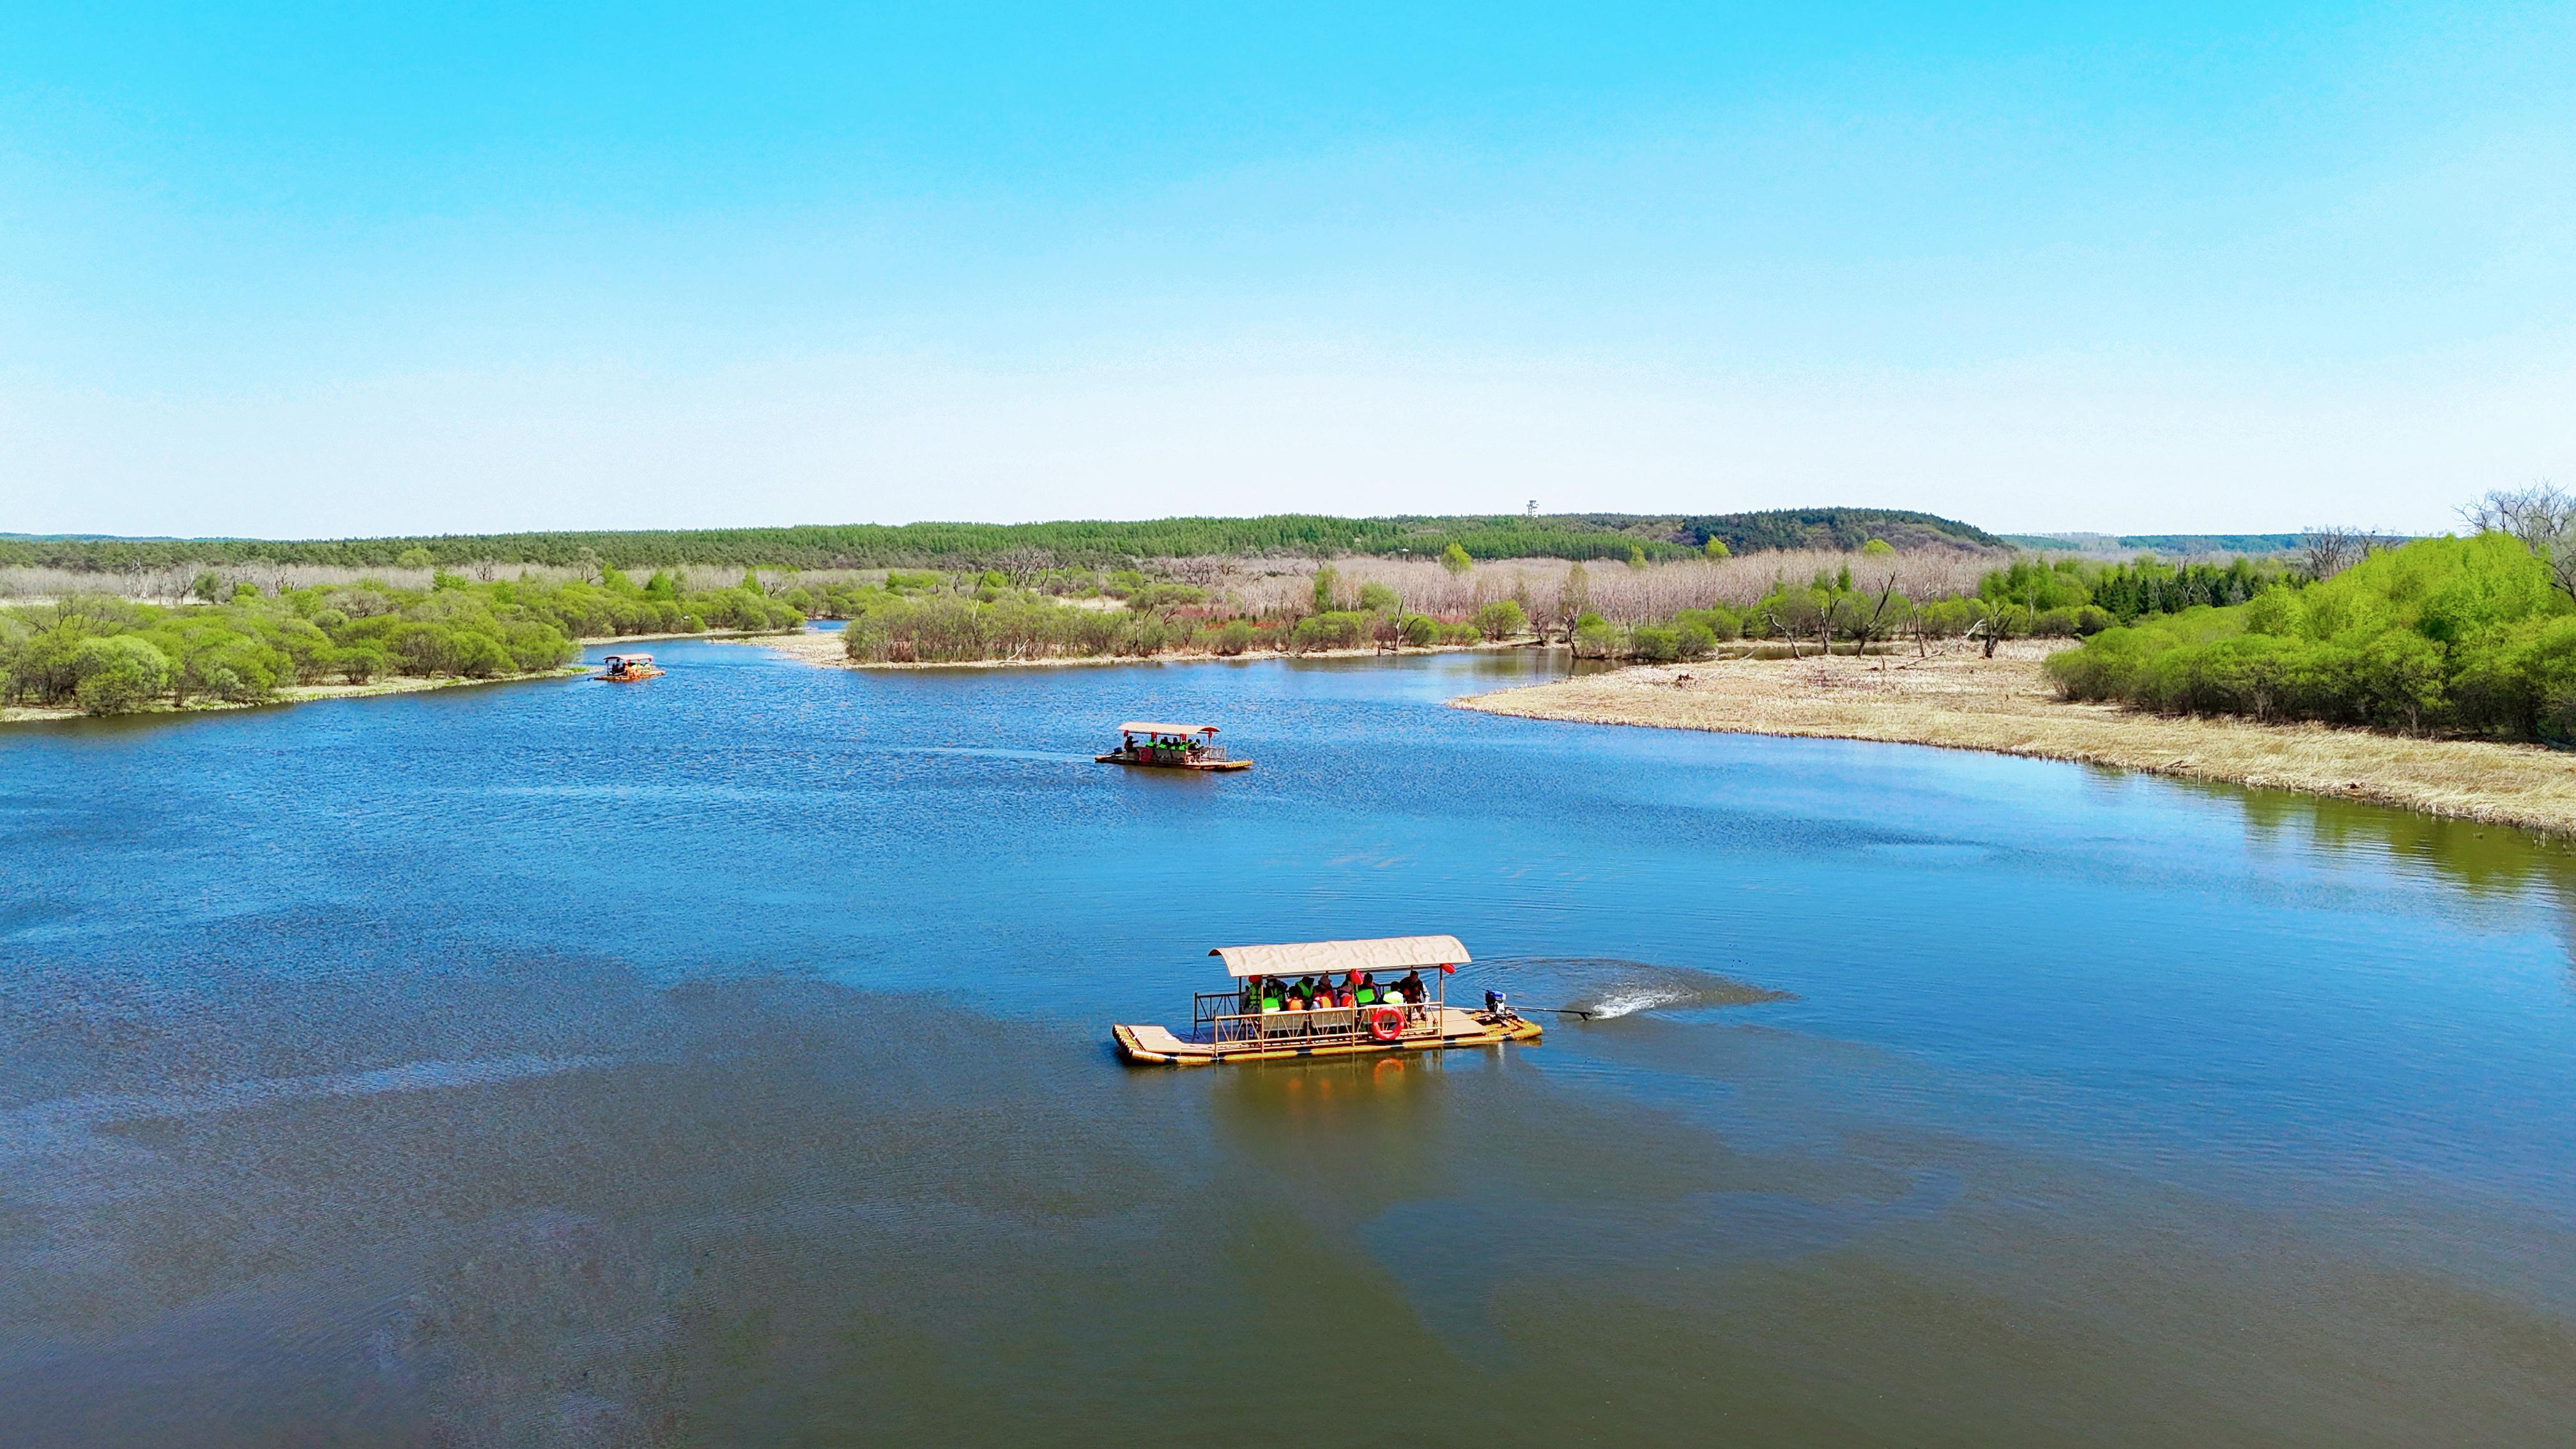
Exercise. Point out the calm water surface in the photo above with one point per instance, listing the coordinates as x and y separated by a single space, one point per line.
724 1059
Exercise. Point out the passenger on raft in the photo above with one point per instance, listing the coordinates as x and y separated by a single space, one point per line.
1410 988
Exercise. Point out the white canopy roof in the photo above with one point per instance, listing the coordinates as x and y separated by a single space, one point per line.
1302 958
1149 727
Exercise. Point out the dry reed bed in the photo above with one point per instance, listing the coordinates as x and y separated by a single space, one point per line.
1255 586
1612 589
1962 701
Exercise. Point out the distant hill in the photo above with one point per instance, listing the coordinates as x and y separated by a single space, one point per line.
2183 543
1080 544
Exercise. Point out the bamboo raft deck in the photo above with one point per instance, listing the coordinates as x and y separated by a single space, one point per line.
1454 1027
1120 757
1363 1016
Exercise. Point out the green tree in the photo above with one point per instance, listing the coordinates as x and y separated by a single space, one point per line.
1377 598
359 663
1715 548
1418 630
1595 638
414 557
1328 588
1877 548
1636 557
1456 560
119 674
1501 619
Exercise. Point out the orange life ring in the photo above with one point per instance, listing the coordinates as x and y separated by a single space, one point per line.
1386 1024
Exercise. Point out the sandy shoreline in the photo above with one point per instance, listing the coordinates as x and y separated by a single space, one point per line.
2005 705
291 694
722 636
824 651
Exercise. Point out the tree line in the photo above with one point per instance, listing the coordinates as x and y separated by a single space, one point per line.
111 656
1019 549
2472 635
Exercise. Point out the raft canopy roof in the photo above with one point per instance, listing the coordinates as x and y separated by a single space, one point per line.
1148 727
1313 958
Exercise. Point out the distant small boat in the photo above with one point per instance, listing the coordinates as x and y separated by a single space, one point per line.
1170 747
1345 1010
623 668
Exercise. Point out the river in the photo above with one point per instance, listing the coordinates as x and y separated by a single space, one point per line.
725 1059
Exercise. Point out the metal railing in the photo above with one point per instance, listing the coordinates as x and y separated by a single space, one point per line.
1166 756
1218 1018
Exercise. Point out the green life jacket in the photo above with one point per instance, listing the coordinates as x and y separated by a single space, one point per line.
1270 1003
1365 996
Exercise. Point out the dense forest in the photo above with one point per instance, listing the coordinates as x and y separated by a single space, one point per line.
109 656
1017 548
2468 634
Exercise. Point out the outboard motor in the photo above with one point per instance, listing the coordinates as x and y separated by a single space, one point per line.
1495 1003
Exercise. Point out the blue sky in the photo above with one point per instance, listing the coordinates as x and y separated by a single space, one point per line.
287 270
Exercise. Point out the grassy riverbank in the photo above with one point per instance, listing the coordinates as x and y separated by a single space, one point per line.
290 694
1961 700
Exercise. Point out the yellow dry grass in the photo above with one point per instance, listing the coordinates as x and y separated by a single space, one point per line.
1960 700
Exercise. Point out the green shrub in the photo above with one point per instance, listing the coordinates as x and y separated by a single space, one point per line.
1418 630
1719 621
1501 619
1651 643
1339 629
359 663
2448 632
478 655
1596 638
118 674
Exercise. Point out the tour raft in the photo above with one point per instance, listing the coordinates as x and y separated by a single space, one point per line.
1233 1026
1171 747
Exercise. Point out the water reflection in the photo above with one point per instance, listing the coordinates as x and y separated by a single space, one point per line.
2494 863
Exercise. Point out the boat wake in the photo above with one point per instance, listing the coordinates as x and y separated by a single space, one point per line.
1606 987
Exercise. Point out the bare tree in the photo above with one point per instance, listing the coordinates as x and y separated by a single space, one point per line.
2543 516
2329 551
1996 626
1022 563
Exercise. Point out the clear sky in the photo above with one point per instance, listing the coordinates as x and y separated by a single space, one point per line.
317 270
